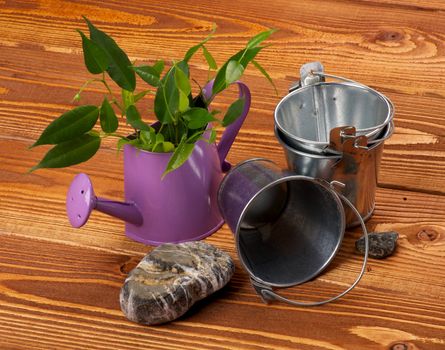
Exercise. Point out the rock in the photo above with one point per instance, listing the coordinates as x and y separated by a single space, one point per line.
381 244
171 278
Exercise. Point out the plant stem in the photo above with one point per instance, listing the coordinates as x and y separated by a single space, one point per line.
88 82
170 134
114 99
242 56
177 134
115 134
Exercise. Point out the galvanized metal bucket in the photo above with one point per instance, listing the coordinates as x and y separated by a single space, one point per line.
356 166
314 107
287 228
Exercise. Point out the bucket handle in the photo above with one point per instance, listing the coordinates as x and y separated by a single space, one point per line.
268 294
332 76
229 135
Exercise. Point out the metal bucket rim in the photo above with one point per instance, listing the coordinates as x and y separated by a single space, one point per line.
287 178
289 148
223 181
372 131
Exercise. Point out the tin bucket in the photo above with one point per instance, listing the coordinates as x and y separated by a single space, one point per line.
287 228
356 166
311 110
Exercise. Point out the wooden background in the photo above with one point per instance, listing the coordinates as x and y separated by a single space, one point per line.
59 286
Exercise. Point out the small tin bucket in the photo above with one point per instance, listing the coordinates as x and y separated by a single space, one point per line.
356 165
287 228
313 108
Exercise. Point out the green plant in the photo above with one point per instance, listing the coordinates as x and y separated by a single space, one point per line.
183 118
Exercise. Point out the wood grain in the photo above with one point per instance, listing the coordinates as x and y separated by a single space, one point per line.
59 286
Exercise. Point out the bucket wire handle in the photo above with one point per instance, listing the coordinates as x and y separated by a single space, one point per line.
326 75
268 294
323 75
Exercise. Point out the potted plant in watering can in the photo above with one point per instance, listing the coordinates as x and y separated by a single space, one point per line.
172 164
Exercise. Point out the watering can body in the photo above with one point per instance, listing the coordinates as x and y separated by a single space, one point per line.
180 207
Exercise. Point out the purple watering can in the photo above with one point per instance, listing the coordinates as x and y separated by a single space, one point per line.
181 207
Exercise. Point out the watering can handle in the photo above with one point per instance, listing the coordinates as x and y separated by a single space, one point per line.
229 135
268 294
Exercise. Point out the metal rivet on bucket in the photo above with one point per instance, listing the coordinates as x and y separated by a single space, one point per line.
287 228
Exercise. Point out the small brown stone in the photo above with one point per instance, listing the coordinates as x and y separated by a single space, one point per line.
381 244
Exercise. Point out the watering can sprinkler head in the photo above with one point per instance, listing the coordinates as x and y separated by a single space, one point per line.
81 200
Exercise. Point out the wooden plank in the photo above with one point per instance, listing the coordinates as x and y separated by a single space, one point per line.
33 204
42 302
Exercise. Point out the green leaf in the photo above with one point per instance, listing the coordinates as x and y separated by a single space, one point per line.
69 125
182 82
76 97
140 95
249 55
259 38
158 143
243 56
263 71
184 102
234 111
70 152
182 65
127 98
183 85
220 80
144 135
119 65
108 119
212 137
209 58
198 117
134 119
168 147
196 136
167 98
122 142
180 156
148 138
148 74
159 67
94 56
190 52
233 72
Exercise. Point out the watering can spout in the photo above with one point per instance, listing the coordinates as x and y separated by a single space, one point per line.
81 200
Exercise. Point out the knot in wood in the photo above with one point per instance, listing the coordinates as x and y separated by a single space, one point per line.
427 235
399 346
389 36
